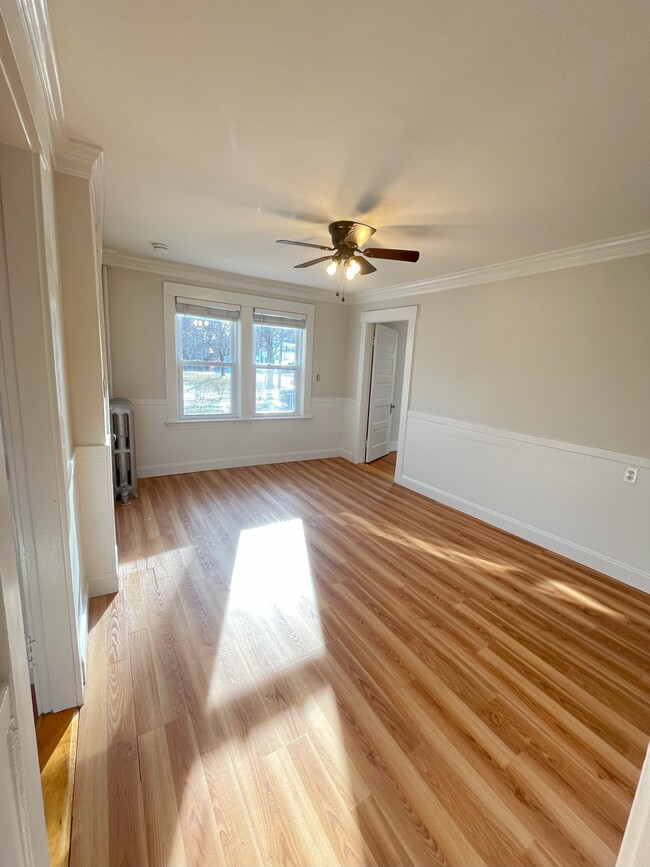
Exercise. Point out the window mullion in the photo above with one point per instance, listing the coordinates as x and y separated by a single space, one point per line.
246 369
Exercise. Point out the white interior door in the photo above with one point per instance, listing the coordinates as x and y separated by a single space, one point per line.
382 387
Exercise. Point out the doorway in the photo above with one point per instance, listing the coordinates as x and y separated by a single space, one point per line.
383 385
384 405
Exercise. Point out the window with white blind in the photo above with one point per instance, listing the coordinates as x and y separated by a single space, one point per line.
235 356
278 361
206 358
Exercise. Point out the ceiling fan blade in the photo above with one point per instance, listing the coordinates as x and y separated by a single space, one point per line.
365 267
400 255
313 261
303 244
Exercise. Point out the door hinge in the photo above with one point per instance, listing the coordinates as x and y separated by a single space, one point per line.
30 642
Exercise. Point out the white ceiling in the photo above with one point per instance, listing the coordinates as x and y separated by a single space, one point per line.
490 130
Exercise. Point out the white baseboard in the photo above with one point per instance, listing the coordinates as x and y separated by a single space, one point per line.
99 585
240 461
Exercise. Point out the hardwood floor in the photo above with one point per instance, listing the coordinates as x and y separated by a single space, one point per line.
309 665
56 738
385 466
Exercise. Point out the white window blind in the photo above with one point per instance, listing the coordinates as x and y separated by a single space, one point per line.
279 320
206 309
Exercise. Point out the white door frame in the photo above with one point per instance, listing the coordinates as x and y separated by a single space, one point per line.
22 820
368 320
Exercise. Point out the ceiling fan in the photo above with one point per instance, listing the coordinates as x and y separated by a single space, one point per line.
347 239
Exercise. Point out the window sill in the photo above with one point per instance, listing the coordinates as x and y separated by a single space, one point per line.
208 422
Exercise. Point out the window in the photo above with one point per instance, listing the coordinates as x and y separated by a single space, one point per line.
206 358
234 356
277 347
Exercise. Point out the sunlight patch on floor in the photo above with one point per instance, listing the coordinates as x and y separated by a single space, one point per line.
280 724
409 541
558 589
272 571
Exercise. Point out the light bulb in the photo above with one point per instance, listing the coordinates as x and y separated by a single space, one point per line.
331 268
353 263
350 273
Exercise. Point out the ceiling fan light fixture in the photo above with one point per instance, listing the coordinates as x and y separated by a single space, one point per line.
348 252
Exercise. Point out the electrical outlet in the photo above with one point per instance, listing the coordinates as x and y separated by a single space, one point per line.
630 475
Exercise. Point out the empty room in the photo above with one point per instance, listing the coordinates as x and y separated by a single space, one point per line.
324 433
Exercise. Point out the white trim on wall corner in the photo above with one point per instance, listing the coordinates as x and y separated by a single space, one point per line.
592 451
577 553
623 247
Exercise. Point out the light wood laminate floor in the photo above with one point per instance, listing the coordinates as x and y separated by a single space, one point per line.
385 465
56 738
309 665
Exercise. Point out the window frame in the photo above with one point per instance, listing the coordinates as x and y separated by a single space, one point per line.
244 380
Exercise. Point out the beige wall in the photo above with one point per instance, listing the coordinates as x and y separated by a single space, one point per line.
137 350
563 355
81 309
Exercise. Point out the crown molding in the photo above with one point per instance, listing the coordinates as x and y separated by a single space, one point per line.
214 278
28 28
622 247
77 157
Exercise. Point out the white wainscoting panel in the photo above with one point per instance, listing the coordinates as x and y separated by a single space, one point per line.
93 471
349 427
168 449
568 498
